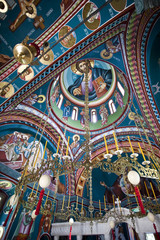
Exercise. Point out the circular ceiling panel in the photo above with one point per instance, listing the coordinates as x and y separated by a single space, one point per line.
101 78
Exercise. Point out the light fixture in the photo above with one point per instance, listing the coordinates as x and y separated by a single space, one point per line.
134 179
25 53
71 221
44 181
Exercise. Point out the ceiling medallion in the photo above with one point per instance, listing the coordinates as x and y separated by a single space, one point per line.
102 82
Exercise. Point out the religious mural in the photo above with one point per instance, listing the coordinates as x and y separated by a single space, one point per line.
101 77
25 227
16 149
112 46
69 40
28 74
121 188
34 98
93 22
6 90
118 5
115 188
45 222
47 58
103 112
66 110
107 89
75 145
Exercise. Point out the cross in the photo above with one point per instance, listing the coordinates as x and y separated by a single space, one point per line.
118 203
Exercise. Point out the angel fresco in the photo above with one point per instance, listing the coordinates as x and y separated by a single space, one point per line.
55 94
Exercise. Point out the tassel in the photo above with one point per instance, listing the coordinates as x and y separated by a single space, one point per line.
30 227
157 235
70 233
139 200
113 236
39 202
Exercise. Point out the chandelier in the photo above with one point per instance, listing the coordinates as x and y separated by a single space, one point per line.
125 165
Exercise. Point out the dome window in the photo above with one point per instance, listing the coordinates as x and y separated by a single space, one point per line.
93 115
60 100
121 89
112 107
74 113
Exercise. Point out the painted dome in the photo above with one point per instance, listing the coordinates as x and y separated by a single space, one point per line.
107 92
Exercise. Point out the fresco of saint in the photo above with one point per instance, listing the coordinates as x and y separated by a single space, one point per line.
75 144
6 90
69 40
103 114
27 75
93 22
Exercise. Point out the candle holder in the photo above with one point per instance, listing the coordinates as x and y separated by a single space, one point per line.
106 209
146 163
118 152
66 157
56 155
108 155
134 155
